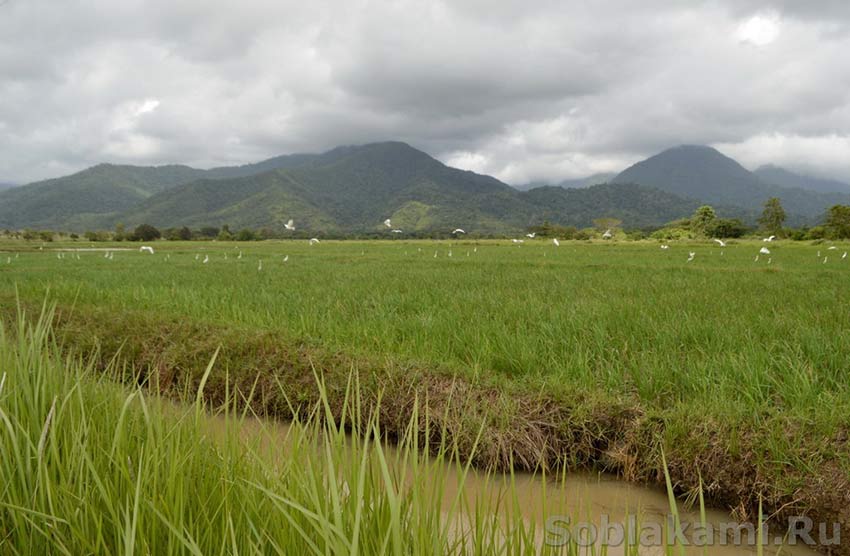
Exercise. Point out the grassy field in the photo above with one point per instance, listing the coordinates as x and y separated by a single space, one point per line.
584 354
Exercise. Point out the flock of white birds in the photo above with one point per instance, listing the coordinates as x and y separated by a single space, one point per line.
290 225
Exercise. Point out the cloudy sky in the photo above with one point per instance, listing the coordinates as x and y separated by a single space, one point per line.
522 90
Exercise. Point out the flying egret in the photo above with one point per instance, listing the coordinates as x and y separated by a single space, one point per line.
769 239
457 231
531 236
290 225
720 242
764 251
397 231
607 234
388 223
556 242
691 256
146 249
313 240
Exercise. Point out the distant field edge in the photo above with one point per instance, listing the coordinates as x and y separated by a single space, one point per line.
513 427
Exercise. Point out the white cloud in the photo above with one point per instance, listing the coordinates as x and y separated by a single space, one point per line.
526 91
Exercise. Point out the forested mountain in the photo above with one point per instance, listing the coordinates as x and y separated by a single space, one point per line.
703 173
785 178
355 188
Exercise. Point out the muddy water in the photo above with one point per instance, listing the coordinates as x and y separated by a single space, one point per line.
580 498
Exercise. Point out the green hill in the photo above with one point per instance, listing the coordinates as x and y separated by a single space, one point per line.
704 174
785 178
353 189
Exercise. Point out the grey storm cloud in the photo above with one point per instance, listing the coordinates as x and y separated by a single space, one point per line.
524 91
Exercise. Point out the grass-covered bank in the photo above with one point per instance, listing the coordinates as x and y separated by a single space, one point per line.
493 425
90 468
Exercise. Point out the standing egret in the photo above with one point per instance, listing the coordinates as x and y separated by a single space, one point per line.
286 258
313 240
556 242
691 256
146 249
844 256
260 266
764 251
206 259
607 234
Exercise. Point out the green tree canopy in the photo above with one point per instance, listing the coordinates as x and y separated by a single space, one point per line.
702 219
773 216
838 222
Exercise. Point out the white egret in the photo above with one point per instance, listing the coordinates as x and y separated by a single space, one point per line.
388 223
691 256
286 258
825 259
206 259
665 247
764 251
397 231
146 249
607 234
260 266
831 248
756 259
518 240
844 256
720 242
197 256
457 231
313 240
450 252
556 242
240 255
531 236
769 239
290 225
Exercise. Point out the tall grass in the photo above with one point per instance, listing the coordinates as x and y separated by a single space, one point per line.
90 468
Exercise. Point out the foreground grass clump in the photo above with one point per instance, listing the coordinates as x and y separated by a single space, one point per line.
91 469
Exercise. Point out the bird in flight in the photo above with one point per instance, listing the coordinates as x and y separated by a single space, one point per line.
146 249
531 235
607 234
313 240
397 231
388 223
290 225
769 239
691 256
720 242
458 231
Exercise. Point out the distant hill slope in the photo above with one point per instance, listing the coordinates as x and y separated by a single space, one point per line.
575 183
703 173
6 185
353 189
785 178
92 197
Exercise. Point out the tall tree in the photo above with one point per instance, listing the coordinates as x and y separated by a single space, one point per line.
773 216
702 219
838 221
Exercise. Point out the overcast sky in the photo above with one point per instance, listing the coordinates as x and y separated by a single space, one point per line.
522 90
